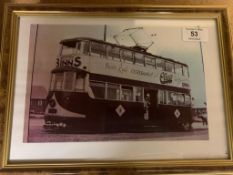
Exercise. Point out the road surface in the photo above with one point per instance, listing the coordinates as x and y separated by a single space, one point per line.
37 133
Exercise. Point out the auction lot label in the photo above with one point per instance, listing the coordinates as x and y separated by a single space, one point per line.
195 34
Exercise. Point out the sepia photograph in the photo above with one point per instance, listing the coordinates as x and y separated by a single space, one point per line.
116 82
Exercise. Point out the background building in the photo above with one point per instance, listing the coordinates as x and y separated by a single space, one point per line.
38 101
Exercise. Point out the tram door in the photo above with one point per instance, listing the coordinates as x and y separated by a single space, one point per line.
150 104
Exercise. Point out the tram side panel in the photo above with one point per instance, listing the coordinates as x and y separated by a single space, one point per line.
99 115
174 117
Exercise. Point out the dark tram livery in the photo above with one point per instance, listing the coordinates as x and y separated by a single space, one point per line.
103 87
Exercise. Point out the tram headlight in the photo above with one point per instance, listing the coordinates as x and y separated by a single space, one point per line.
52 103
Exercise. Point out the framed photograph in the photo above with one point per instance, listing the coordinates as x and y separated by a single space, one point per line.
117 87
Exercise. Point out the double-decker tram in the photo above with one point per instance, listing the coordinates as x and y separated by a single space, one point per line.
103 87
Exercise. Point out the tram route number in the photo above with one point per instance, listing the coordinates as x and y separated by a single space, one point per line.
195 34
71 62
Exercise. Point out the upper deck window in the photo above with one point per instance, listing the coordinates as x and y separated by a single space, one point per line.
114 52
108 51
139 58
127 56
169 66
150 61
160 64
70 48
185 71
178 69
86 47
98 48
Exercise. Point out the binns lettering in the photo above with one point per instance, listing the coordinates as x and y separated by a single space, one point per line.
70 62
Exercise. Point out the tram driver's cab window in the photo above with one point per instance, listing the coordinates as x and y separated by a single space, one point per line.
57 81
127 93
79 84
69 80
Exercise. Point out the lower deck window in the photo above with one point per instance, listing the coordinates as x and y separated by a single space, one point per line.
113 92
180 99
127 93
173 98
138 94
187 99
110 91
161 97
98 89
58 81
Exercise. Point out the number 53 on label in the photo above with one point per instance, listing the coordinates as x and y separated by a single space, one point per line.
195 34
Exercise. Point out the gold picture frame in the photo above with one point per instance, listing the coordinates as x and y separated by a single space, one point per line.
16 19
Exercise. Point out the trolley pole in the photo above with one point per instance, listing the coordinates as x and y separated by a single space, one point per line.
200 43
105 32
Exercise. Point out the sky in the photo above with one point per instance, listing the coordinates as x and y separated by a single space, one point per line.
166 37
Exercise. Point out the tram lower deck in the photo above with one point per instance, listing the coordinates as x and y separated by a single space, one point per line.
77 111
